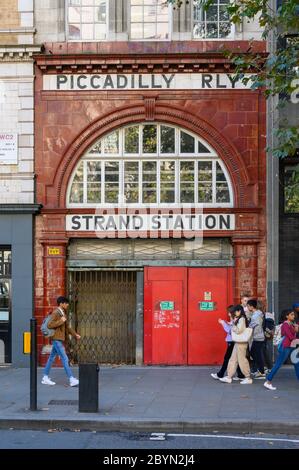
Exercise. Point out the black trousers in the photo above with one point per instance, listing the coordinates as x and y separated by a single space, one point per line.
228 353
257 354
268 353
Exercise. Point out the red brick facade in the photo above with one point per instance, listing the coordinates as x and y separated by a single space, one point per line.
66 123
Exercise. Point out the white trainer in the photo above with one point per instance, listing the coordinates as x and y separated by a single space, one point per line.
215 376
269 386
74 382
246 381
226 379
47 381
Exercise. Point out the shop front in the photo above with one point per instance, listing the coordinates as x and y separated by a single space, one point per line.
152 181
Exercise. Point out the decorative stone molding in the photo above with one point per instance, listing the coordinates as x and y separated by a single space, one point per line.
164 113
18 53
149 104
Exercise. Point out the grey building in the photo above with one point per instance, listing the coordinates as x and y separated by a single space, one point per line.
17 206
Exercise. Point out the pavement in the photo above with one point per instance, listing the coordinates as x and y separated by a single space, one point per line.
153 399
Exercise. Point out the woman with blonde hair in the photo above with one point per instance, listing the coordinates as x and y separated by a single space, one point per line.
238 357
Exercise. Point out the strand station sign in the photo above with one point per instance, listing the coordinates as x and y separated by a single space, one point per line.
153 223
179 81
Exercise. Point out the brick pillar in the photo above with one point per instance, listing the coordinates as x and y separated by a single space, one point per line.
245 255
54 281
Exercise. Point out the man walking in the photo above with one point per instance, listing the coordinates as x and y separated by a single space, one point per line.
59 323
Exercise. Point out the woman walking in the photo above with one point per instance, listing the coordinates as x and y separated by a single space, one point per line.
227 326
288 331
238 357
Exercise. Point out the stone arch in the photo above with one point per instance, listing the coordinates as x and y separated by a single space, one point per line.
162 113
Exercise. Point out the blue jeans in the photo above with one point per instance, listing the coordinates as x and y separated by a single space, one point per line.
58 349
282 357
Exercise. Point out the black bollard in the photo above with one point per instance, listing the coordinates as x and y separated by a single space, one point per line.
89 387
33 366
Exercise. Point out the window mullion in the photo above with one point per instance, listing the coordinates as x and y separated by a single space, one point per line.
177 182
140 140
158 140
103 181
196 181
214 182
84 182
158 181
218 19
140 201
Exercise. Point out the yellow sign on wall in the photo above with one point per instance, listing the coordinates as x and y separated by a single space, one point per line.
26 342
54 251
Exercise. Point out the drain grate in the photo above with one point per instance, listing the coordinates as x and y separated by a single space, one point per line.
63 402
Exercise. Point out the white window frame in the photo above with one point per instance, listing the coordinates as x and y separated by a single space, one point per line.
85 40
170 26
230 37
122 157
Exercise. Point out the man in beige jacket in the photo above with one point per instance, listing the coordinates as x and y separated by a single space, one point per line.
59 323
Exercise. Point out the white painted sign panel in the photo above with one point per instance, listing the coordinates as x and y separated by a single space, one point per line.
178 81
107 223
8 148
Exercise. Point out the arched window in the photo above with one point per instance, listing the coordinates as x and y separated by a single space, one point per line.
150 164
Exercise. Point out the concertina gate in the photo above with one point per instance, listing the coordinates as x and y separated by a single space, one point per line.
103 311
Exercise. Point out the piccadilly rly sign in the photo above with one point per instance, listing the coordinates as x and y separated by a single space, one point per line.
178 81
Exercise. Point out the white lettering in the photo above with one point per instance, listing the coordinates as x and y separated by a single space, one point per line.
183 81
177 223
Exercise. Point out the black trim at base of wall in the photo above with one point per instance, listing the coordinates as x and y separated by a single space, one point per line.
20 208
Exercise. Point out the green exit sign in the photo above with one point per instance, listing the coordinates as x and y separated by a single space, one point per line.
166 305
207 306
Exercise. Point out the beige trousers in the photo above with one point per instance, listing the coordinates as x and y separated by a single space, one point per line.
239 357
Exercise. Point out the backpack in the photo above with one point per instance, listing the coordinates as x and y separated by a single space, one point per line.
268 327
46 331
277 335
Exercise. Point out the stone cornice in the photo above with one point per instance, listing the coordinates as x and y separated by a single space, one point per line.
169 63
18 53
140 57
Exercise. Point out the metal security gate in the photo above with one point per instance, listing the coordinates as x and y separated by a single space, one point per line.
103 311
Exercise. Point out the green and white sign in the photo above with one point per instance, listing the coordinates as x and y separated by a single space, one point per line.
166 305
206 306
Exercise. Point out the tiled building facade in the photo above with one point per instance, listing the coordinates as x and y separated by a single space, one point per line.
134 105
135 108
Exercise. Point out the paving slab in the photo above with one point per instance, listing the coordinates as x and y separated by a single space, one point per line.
153 399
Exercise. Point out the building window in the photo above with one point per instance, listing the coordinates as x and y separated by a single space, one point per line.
150 164
5 262
212 23
87 20
291 189
149 19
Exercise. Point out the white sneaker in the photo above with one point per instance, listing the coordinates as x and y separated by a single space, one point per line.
226 379
47 381
269 386
215 376
74 382
237 378
246 381
259 375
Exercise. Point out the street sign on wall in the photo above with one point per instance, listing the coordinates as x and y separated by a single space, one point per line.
8 148
207 306
166 305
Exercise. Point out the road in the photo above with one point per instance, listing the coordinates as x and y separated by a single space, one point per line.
56 439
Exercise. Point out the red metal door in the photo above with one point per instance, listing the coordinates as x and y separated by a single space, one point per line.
165 315
206 337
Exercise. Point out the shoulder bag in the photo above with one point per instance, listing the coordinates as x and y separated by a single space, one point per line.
243 337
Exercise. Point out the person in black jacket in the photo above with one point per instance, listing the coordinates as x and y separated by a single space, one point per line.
269 328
